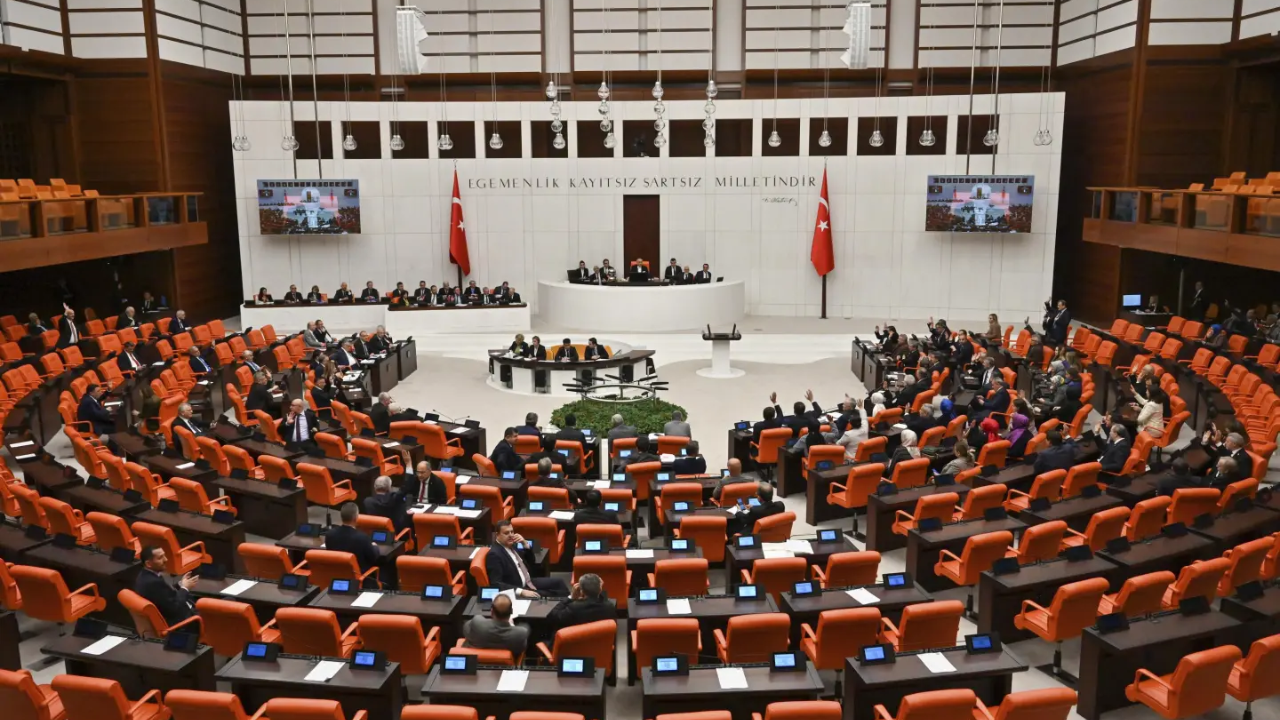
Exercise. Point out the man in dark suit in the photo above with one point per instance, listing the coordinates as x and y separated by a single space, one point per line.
504 455
582 273
772 419
638 272
1233 447
911 387
745 522
380 342
921 421
343 294
173 601
545 469
997 403
530 426
346 538
197 363
674 272
390 503
571 433
591 513
733 478
587 603
399 295
801 417
127 319
370 293
260 395
92 411
1056 334
293 296
472 293
536 350
179 324
35 328
1181 478
692 463
149 303
508 566
345 356
426 486
187 419
1199 302
595 351
567 352
1223 474
1116 451
68 333
1060 455
423 295
300 424
703 276
127 361
380 413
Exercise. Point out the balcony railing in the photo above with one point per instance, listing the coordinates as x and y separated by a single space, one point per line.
101 214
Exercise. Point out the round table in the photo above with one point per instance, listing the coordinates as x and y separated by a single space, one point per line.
643 308
521 375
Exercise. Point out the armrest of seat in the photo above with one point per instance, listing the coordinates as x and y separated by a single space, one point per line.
818 574
361 715
1035 605
151 696
904 515
343 483
271 625
721 642
949 555
807 632
193 546
882 713
454 442
371 571
546 651
1138 676
353 627
981 709
433 636
887 624
1019 492
1078 534
93 587
193 619
400 535
223 500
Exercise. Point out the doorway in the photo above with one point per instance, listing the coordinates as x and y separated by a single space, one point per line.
641 234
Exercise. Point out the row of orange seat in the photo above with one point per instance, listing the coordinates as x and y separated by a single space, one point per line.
27 189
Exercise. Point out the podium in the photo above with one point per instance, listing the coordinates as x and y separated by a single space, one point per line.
720 367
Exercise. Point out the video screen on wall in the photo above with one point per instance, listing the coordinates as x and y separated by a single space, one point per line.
309 207
979 203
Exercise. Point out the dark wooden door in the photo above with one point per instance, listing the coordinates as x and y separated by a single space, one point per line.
641 237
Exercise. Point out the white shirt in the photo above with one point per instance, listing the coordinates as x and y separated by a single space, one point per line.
300 428
350 359
525 580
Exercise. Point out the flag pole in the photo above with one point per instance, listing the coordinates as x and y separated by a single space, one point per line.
824 277
455 174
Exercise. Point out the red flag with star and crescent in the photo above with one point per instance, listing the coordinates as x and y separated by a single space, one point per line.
458 232
822 254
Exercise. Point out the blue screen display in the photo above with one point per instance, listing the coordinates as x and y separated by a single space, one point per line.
803 588
433 591
508 474
982 642
668 664
379 536
663 477
680 506
341 585
648 595
469 504
612 507
440 541
624 453
828 535
746 541
571 665
873 653
746 591
680 544
592 544
488 593
535 505
784 659
897 580
256 650
455 662
365 659
619 477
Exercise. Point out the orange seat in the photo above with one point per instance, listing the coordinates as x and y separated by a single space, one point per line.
544 531
841 634
910 473
800 710
938 506
1141 595
1254 677
201 705
776 575
1190 503
499 508
192 498
978 501
932 705
1198 685
416 572
1147 518
401 639
1039 542
308 631
147 618
553 498
924 626
753 638
771 441
979 554
1080 477
707 532
613 572
681 576
229 626
23 699
112 532
298 709
595 640
91 698
179 560
268 562
1199 579
655 637
1046 485
428 525
329 565
860 484
1044 704
319 484
1074 608
65 520
845 569
10 596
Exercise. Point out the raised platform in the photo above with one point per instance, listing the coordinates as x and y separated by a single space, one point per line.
345 319
522 375
641 308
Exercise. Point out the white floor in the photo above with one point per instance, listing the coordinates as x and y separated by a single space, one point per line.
783 355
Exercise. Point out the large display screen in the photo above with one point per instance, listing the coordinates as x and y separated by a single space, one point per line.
979 203
309 207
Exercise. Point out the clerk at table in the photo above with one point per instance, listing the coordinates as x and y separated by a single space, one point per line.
370 293
472 294
703 275
595 351
674 272
293 296
343 294
567 352
535 350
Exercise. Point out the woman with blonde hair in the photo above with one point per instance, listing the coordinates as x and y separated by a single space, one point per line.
994 335
519 347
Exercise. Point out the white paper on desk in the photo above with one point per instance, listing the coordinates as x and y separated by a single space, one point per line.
367 362
445 510
202 382
463 480
900 426
24 458
639 554
863 596
158 364
936 662
513 680
418 509
473 553
366 600
601 484
22 444
733 510
679 606
237 587
431 422
731 678
112 403
800 546
459 430
186 465
561 515
777 550
324 670
470 514
103 645
391 444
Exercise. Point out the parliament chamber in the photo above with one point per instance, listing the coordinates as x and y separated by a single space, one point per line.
335 385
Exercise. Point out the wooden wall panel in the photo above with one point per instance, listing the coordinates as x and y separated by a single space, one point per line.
1184 115
116 125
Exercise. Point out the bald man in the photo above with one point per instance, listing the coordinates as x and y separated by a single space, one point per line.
734 477
427 487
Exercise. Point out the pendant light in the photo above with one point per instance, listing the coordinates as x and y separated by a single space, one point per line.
927 138
315 86
992 138
495 140
603 92
709 122
876 139
824 140
444 143
659 108
348 142
288 142
973 69
775 140
553 94
240 141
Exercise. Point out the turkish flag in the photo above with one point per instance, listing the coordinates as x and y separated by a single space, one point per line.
822 254
458 232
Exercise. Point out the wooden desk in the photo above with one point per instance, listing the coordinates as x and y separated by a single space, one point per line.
1261 616
138 665
655 490
384 372
789 478
641 567
168 467
882 511
989 675
48 476
816 507
1000 597
265 596
711 611
481 525
1140 488
257 682
1075 511
445 613
1162 553
1016 476
258 448
807 609
474 440
80 566
736 558
10 636
925 549
1233 528
14 541
700 691
298 545
544 690
220 541
104 499
265 508
406 358
1108 662
135 447
740 447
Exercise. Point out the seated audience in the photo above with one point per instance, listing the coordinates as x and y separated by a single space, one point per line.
496 632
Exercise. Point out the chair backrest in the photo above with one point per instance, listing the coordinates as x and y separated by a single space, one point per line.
477 567
685 576
594 640
544 531
308 709
833 454
112 532
146 616
1258 671
1189 503
416 572
981 552
328 565
265 561
1147 518
308 631
911 473
1199 579
612 570
940 506
191 496
558 498
930 625
1080 477
400 637
201 705
1044 704
852 568
428 525
979 500
1040 542
1200 681
779 575
754 638
843 633
438 712
1246 564
869 447
91 697
227 625
803 710
666 636
775 528
1075 607
771 441
1142 595
1105 526
317 481
937 705
994 453
708 532
21 698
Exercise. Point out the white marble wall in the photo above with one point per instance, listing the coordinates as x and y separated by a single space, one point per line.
886 265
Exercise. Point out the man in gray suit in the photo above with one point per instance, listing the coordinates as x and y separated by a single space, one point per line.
309 337
496 632
735 476
677 426
620 431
